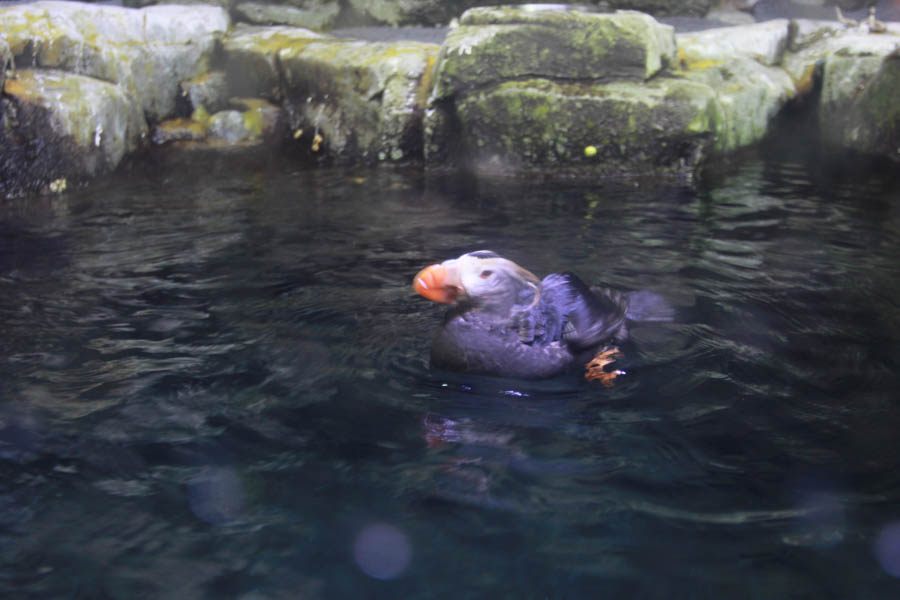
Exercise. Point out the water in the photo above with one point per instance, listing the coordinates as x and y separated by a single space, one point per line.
214 383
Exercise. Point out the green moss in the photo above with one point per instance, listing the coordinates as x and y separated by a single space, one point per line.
201 115
169 128
700 123
275 42
253 122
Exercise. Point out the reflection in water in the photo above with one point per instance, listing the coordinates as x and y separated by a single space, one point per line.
887 548
214 382
216 495
382 551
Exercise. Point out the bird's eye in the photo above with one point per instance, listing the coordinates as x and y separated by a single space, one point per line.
486 273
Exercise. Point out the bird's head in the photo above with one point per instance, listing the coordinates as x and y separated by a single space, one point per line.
483 280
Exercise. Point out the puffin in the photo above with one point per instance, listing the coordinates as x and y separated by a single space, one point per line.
505 321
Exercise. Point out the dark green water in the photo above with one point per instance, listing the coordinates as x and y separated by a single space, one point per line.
214 383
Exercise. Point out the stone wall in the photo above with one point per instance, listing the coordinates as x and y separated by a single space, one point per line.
509 91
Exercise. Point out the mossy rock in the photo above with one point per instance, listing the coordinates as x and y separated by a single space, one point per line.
58 125
665 126
763 42
659 8
209 91
748 95
179 130
492 45
250 56
407 12
313 14
868 120
6 60
856 73
148 51
364 100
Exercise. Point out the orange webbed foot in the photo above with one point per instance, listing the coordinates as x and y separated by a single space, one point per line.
595 370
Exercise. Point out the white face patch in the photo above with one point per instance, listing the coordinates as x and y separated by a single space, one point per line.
489 279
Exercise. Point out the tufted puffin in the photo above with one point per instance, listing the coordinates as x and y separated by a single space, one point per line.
505 321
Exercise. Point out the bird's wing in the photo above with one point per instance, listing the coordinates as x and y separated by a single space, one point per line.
591 316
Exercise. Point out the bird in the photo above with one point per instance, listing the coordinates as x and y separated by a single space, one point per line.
505 321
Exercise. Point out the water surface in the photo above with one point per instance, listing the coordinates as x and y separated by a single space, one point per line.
214 383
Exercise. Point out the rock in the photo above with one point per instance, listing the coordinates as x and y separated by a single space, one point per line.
61 126
814 42
250 56
740 66
858 107
364 100
511 90
408 12
263 120
251 121
763 42
856 73
504 104
209 90
697 8
6 60
312 14
148 51
228 125
498 44
178 130
661 126
804 32
730 16
723 97
748 95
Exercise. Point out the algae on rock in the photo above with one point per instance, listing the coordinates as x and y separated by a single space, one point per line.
662 126
250 56
856 73
868 121
408 12
139 49
350 100
741 67
319 15
763 42
521 90
498 44
6 61
61 125
364 99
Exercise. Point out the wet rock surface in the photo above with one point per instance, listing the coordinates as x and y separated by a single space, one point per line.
148 52
61 128
660 127
349 100
312 14
506 90
492 45
87 77
858 108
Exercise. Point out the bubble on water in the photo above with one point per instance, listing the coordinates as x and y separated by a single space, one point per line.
382 551
887 548
216 495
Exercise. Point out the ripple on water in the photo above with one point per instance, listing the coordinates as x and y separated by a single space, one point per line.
219 372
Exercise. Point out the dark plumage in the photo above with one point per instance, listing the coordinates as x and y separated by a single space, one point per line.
505 321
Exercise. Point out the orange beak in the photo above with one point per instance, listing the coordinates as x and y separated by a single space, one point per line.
432 282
